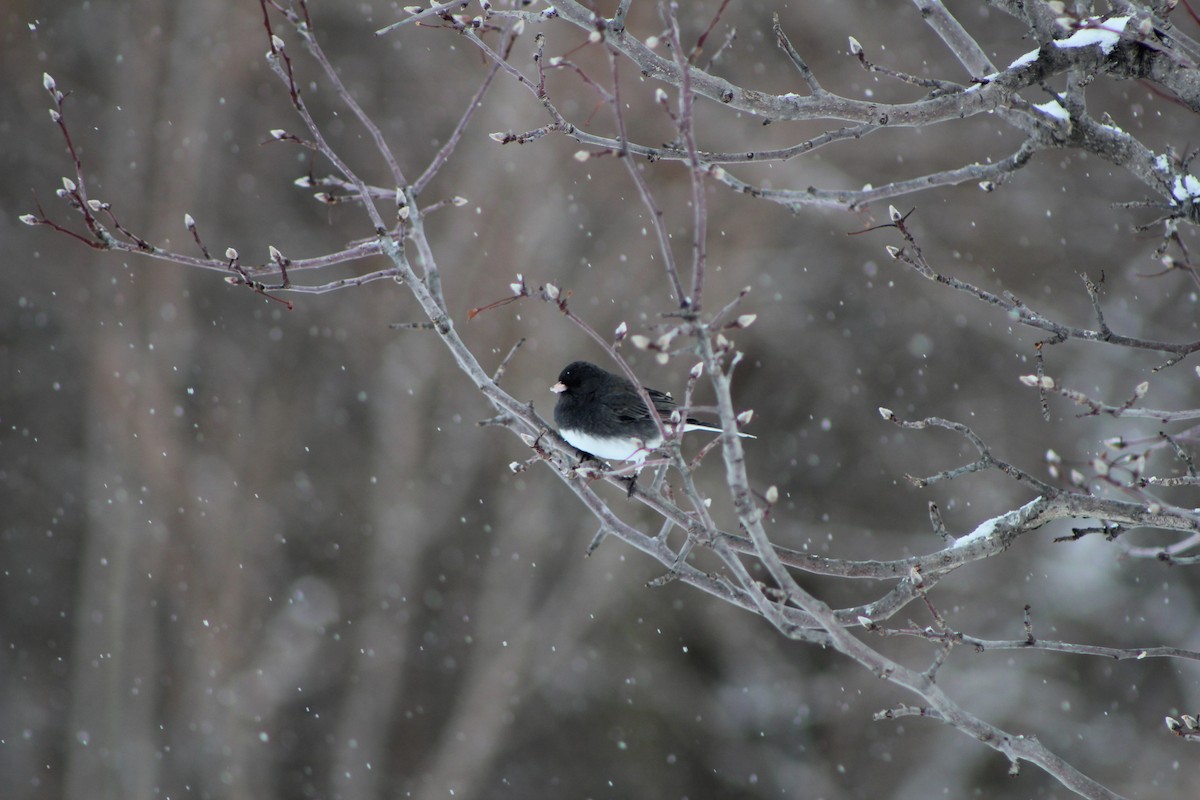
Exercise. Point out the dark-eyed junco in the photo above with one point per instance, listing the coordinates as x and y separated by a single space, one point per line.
603 414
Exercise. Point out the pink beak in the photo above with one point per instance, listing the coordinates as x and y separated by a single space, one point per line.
558 388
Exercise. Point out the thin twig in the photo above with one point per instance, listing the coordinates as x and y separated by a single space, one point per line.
499 373
656 214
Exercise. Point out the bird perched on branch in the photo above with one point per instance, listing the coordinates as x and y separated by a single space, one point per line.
604 414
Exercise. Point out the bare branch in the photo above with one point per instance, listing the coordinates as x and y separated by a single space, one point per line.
912 255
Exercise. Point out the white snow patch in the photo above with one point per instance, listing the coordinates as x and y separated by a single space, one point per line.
1021 61
1053 109
1186 188
988 526
981 533
1103 32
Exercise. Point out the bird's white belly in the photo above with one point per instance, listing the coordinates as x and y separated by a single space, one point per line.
611 449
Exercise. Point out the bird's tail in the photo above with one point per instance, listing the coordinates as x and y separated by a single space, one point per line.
691 425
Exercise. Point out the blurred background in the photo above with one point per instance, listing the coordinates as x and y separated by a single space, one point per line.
252 552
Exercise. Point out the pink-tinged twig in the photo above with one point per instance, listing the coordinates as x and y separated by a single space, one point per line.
443 154
656 214
281 64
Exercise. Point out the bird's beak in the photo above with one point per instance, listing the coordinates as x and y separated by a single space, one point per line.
558 388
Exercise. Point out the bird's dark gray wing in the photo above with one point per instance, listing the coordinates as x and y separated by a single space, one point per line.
663 402
627 405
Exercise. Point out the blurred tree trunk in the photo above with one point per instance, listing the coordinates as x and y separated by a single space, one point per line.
392 562
138 347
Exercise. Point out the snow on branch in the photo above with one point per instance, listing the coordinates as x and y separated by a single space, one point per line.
1075 49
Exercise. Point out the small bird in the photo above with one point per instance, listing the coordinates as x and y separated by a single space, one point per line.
603 414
